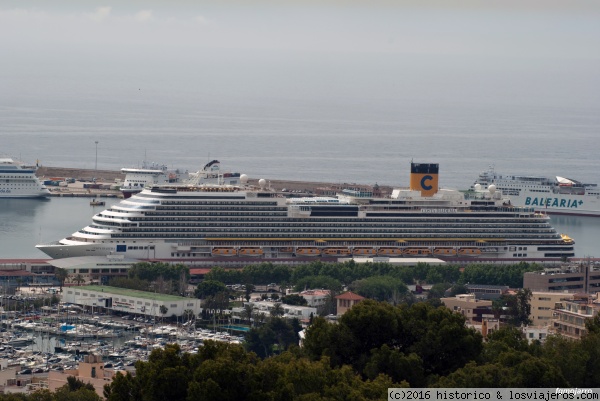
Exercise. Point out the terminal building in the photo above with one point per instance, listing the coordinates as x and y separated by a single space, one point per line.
130 301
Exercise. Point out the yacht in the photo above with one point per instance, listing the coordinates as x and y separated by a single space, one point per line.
19 181
204 224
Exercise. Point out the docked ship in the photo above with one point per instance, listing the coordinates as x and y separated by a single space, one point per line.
558 195
228 224
19 181
149 174
136 179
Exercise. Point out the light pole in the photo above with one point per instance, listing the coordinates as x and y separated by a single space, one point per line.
96 166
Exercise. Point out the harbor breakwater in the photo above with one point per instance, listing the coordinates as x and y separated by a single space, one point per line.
115 177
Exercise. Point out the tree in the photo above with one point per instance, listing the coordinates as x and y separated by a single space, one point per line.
163 311
78 279
294 299
518 307
248 290
208 288
380 288
218 302
277 335
277 310
246 313
61 275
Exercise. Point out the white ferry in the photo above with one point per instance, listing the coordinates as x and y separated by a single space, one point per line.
149 175
557 195
229 224
18 181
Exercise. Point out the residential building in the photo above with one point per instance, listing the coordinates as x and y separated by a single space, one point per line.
539 333
542 306
346 301
483 291
571 315
474 310
90 370
315 298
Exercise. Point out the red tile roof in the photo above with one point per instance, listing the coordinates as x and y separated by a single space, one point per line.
350 296
195 272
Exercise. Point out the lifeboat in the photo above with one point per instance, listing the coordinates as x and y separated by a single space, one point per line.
364 251
336 251
469 251
308 251
251 252
224 252
389 251
417 251
287 249
444 251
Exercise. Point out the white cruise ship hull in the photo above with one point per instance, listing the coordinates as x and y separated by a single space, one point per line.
19 182
234 225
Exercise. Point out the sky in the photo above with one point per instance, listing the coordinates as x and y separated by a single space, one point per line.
506 28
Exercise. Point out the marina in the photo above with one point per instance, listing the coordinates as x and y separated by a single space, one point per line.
59 342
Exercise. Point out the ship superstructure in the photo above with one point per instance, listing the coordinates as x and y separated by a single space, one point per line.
18 181
152 174
203 224
558 195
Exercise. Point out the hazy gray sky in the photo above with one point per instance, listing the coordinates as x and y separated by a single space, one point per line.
545 48
544 28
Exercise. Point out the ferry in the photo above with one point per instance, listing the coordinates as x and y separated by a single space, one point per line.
149 174
19 181
558 195
204 224
136 179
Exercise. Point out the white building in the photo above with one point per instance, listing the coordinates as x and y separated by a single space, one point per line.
315 298
290 311
130 301
539 333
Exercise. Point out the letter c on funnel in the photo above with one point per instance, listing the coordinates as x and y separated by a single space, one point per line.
424 185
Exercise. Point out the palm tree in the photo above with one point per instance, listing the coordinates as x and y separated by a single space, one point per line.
78 279
247 313
163 310
277 310
61 275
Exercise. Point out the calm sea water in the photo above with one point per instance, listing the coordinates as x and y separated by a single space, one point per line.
25 223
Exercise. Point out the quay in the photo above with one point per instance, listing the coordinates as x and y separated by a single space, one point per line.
113 179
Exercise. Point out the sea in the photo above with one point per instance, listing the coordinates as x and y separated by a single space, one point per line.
342 119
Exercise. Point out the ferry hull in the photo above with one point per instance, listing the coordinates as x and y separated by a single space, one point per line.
574 205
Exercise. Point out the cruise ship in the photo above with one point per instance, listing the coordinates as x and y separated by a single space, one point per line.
556 195
18 181
206 224
151 174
